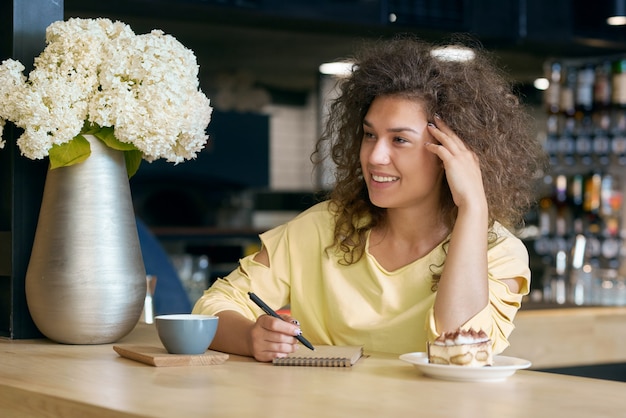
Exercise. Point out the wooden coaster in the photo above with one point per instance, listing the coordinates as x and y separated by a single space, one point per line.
158 356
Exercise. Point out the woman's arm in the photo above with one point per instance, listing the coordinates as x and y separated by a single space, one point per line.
264 339
463 289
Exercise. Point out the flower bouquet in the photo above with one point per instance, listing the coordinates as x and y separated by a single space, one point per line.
136 93
101 96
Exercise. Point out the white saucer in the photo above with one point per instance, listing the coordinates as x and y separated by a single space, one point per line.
502 368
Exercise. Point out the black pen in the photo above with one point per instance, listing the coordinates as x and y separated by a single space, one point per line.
271 312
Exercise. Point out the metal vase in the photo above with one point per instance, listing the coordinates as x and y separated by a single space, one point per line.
86 281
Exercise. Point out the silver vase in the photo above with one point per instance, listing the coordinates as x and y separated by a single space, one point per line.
86 281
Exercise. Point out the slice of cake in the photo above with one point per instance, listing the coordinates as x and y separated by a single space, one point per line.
461 348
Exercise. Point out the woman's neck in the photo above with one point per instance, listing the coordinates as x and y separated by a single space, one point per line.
404 237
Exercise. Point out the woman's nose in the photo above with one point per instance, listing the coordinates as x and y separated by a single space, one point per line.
380 153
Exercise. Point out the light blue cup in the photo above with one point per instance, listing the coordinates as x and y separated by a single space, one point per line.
186 333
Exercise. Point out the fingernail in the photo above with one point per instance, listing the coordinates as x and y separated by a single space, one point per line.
297 332
432 125
295 322
437 116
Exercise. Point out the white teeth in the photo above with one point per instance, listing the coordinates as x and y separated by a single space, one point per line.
382 179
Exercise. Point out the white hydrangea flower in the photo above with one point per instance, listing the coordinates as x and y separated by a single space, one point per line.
98 71
11 88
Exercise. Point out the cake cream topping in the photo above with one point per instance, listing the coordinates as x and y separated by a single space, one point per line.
461 337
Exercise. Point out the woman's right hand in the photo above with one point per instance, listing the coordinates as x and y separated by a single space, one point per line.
273 338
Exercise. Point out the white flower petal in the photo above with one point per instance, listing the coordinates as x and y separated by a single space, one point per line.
145 86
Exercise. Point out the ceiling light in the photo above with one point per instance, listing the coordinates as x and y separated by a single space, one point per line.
619 13
616 20
336 68
452 53
541 83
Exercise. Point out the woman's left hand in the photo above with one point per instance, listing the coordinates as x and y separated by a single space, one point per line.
460 164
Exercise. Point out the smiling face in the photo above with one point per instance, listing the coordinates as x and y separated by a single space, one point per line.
398 170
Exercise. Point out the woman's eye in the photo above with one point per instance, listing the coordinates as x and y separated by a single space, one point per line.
367 135
400 140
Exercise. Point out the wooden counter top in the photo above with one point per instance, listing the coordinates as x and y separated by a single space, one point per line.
570 336
40 378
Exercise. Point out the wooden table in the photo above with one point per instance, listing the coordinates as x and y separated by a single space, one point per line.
39 378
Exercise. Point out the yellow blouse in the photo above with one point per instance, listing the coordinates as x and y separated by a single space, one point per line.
361 304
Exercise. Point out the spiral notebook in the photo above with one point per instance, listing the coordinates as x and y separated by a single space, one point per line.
323 356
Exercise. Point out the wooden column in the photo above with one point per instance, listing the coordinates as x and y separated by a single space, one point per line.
22 37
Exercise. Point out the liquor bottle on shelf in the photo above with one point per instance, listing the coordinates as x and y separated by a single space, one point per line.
611 198
562 217
576 193
543 243
552 141
552 95
558 283
591 200
566 142
618 142
602 148
584 97
618 78
591 207
552 101
602 96
584 101
581 273
618 111
584 143
567 97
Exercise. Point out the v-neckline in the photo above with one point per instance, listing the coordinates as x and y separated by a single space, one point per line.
402 267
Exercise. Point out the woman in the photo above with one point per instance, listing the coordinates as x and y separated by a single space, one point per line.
435 161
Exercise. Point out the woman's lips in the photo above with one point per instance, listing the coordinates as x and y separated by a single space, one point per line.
384 179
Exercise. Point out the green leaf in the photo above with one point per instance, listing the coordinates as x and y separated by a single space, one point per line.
133 161
75 151
106 135
90 128
78 149
132 155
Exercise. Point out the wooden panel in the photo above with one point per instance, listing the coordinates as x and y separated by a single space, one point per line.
570 337
22 37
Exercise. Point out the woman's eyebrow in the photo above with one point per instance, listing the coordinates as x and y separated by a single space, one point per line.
398 129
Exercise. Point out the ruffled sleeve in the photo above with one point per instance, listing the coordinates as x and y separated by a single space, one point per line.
231 292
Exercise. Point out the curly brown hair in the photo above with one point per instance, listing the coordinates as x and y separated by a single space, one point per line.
472 97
